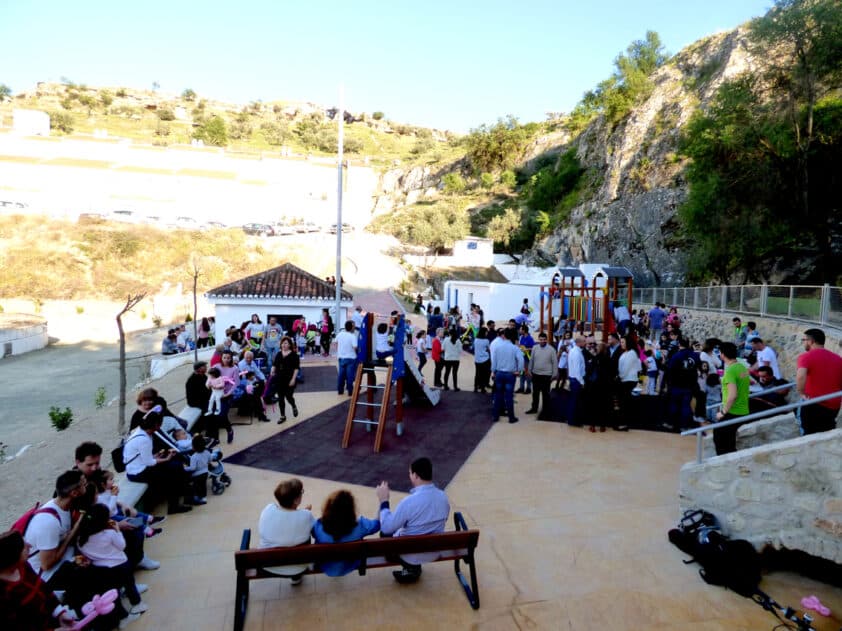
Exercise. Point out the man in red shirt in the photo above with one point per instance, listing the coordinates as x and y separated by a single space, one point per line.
819 373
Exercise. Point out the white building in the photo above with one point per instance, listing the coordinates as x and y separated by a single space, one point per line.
286 292
30 123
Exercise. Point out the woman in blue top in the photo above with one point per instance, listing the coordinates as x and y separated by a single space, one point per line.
339 524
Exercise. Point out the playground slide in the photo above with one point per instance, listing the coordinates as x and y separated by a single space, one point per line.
414 386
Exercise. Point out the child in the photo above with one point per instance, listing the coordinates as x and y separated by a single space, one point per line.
101 542
382 347
651 372
301 341
713 392
421 348
183 440
216 382
312 342
107 493
198 468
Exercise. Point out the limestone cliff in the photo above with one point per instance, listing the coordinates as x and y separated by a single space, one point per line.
630 217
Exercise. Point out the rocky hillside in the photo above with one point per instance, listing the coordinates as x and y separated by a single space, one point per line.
630 218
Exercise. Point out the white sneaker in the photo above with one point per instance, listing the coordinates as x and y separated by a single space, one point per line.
148 564
139 608
128 620
142 588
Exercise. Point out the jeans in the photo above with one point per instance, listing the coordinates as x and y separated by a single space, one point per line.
347 374
504 389
451 366
679 407
817 418
422 359
574 403
271 351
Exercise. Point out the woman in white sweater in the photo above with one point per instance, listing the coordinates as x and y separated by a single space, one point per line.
628 370
452 351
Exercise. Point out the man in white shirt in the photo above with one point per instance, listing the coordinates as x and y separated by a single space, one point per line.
51 533
766 356
346 351
576 374
424 512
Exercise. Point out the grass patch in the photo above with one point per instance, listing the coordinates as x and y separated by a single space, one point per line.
79 162
218 175
801 307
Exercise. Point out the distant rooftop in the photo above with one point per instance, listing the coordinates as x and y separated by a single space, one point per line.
285 281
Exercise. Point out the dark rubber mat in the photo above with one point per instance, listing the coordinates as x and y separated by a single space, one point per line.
447 434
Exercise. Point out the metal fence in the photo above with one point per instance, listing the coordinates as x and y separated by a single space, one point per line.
818 304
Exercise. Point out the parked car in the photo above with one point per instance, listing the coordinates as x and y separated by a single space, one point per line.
259 229
283 229
124 216
216 225
12 205
187 223
346 227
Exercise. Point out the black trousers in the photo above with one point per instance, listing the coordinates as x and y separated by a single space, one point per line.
167 479
541 389
482 376
451 366
437 373
817 418
725 438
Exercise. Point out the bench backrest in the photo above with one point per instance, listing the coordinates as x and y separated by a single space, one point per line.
364 549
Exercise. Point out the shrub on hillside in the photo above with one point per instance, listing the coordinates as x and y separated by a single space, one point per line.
165 114
61 121
453 183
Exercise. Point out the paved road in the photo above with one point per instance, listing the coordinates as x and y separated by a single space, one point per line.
65 376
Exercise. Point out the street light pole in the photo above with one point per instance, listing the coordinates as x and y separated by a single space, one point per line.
341 116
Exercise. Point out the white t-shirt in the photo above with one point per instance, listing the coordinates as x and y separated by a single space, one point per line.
768 357
280 527
381 343
421 345
346 345
45 532
255 330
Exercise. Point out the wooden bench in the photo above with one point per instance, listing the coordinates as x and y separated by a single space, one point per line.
457 546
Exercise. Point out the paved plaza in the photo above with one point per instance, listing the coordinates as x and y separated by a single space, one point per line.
572 536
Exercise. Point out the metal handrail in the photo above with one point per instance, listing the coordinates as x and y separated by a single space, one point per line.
753 417
783 386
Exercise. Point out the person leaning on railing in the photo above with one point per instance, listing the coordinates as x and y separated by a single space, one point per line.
735 393
819 372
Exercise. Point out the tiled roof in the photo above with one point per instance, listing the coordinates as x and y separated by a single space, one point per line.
286 281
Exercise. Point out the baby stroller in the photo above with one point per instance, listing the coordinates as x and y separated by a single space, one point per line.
216 472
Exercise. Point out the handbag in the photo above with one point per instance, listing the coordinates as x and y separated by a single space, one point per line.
117 457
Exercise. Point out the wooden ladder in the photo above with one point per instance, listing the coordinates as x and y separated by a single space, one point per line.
369 403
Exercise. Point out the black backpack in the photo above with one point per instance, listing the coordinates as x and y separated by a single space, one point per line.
733 564
685 372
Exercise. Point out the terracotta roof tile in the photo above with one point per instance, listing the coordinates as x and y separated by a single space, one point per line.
285 281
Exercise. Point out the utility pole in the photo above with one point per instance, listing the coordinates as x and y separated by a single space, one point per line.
341 116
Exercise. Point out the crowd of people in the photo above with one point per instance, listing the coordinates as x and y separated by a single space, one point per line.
81 543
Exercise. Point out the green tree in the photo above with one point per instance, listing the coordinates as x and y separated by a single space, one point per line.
378 116
213 132
435 225
61 121
503 228
499 146
105 98
5 92
188 95
801 41
453 183
274 133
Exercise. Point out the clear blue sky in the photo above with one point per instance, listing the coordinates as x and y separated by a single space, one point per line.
446 64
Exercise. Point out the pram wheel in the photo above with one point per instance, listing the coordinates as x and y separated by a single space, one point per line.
225 479
217 488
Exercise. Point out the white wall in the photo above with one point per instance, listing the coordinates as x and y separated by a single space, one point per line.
22 339
499 301
228 314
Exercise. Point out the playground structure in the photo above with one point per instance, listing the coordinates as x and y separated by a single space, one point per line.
397 372
588 294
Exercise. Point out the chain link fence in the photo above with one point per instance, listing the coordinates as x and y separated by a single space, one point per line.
818 304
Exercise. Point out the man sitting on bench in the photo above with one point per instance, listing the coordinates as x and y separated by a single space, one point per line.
424 512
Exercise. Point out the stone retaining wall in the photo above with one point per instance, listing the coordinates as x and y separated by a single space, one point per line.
21 333
784 336
785 494
766 431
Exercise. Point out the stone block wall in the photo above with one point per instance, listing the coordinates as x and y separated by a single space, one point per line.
766 431
784 336
785 494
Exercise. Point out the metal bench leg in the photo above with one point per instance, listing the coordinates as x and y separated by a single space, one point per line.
241 602
472 590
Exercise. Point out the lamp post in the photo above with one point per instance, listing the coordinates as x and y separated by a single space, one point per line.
341 116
